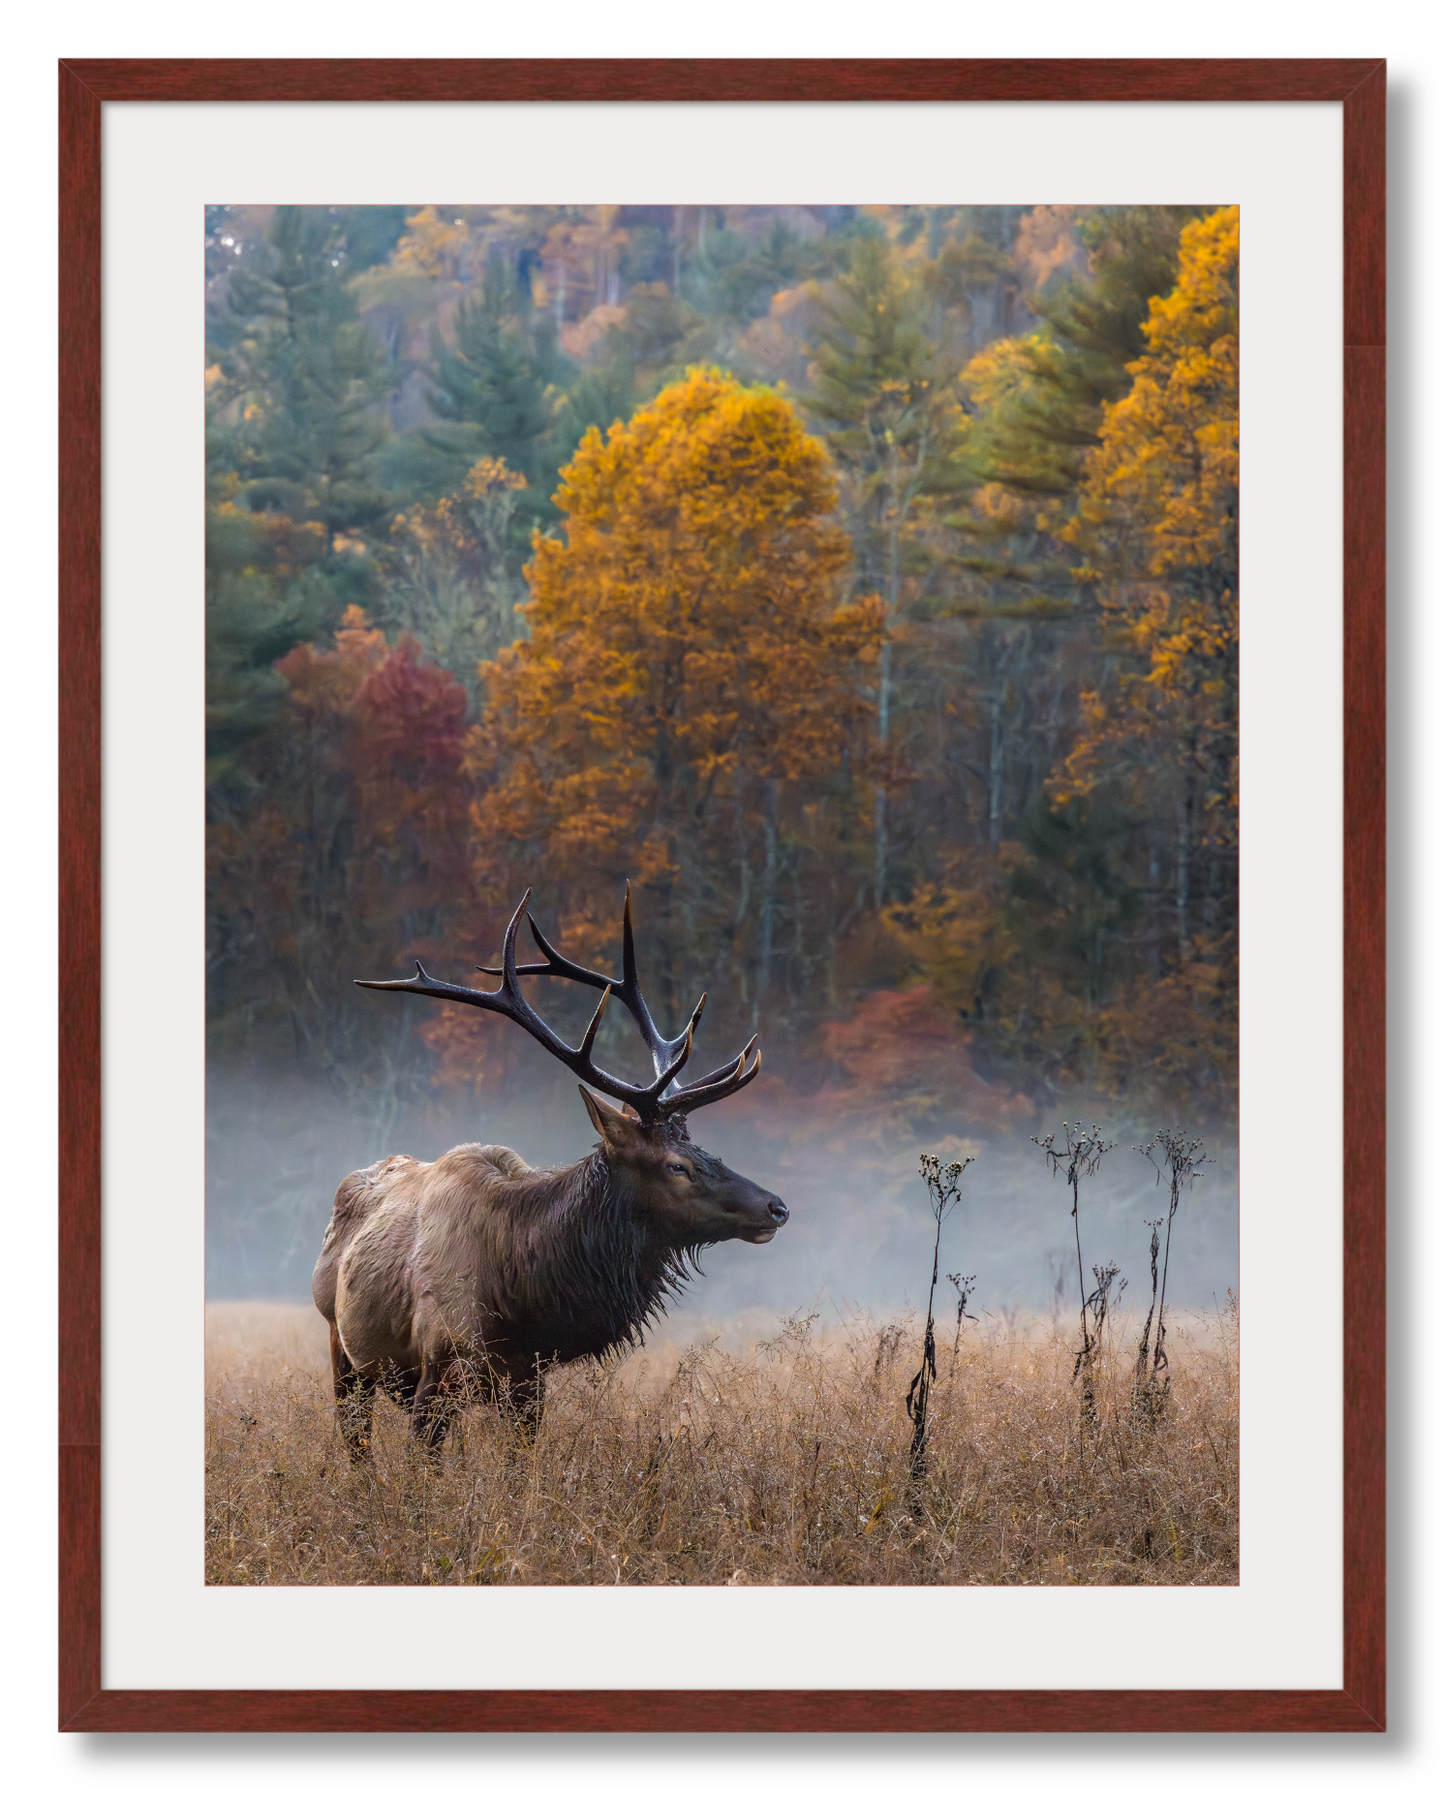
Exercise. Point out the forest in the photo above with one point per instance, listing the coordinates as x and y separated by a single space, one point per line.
861 583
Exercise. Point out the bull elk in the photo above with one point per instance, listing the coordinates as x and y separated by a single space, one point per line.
464 1279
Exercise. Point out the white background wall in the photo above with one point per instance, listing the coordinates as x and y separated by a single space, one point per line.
33 1756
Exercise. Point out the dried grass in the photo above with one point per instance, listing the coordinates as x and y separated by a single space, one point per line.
786 1462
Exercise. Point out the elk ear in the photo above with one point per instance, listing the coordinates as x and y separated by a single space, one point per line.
617 1131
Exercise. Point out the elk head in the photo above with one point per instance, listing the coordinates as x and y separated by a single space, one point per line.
685 1194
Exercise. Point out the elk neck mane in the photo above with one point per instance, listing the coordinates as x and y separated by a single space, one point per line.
598 1259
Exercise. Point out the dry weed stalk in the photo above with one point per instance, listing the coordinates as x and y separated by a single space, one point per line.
942 1181
1081 1154
1182 1157
963 1287
1145 1397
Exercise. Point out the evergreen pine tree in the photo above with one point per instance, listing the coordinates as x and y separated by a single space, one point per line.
307 382
497 392
296 410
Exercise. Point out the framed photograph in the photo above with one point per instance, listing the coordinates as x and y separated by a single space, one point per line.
892 552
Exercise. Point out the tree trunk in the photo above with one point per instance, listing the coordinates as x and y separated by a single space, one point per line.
995 769
770 887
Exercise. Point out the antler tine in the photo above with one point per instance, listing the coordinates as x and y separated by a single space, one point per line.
697 1014
629 952
591 1034
730 1069
426 985
553 964
511 1002
578 1059
630 991
699 1095
509 950
684 1051
561 967
723 1072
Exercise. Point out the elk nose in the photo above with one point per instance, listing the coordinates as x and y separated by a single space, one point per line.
778 1210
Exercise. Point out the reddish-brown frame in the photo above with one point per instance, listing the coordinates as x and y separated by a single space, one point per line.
1359 1703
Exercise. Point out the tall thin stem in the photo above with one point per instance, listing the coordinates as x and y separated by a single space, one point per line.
1079 1250
1183 1158
1081 1154
943 1193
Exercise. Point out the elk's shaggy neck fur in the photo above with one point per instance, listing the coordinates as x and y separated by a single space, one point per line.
592 1253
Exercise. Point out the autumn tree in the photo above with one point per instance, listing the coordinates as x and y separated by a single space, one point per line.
1110 925
355 844
1159 524
685 707
1036 404
1033 404
1037 399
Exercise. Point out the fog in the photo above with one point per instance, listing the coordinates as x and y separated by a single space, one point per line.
860 1235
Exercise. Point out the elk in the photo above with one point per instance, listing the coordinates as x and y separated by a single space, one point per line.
465 1278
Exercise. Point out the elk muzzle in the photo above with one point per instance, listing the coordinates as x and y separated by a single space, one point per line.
777 1215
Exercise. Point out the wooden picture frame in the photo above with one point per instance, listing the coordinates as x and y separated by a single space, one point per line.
1358 1704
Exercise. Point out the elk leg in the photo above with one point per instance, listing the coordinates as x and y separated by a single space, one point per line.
353 1399
431 1411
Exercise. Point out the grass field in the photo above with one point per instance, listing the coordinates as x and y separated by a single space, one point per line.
780 1461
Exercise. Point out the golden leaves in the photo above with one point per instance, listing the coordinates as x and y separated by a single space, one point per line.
490 475
1161 490
433 246
685 637
1158 524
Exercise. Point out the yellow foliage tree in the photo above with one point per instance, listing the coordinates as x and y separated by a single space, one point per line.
433 245
686 704
1101 944
1159 524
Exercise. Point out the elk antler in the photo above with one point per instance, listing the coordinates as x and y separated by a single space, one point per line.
652 1101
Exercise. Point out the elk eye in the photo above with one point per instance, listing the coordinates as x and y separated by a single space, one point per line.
679 1170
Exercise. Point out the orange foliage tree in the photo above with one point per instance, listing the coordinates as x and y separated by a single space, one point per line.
686 707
